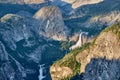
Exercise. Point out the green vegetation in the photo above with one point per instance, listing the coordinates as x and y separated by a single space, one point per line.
70 61
115 29
65 45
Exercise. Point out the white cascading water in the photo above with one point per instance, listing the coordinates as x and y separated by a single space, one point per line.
41 76
79 42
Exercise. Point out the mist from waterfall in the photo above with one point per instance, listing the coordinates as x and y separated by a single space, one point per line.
79 42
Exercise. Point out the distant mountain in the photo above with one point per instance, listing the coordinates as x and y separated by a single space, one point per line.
93 18
78 3
51 23
23 1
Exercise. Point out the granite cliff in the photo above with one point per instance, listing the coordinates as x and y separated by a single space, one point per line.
35 33
104 48
51 23
23 48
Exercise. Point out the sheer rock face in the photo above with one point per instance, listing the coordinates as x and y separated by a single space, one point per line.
7 71
106 20
20 51
3 53
106 46
33 1
51 23
11 68
22 48
99 69
17 28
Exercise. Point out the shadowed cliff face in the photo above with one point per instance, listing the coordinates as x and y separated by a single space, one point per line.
93 18
106 45
10 68
19 28
22 48
101 68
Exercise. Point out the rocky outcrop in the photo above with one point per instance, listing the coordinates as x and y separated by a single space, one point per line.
101 68
95 17
51 23
78 3
3 53
106 45
23 1
17 28
60 72
104 20
7 71
19 45
22 48
33 1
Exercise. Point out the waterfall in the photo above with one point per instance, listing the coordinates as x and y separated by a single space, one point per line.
41 76
48 23
79 42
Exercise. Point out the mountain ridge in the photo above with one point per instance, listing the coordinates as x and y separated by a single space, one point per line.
51 23
106 45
